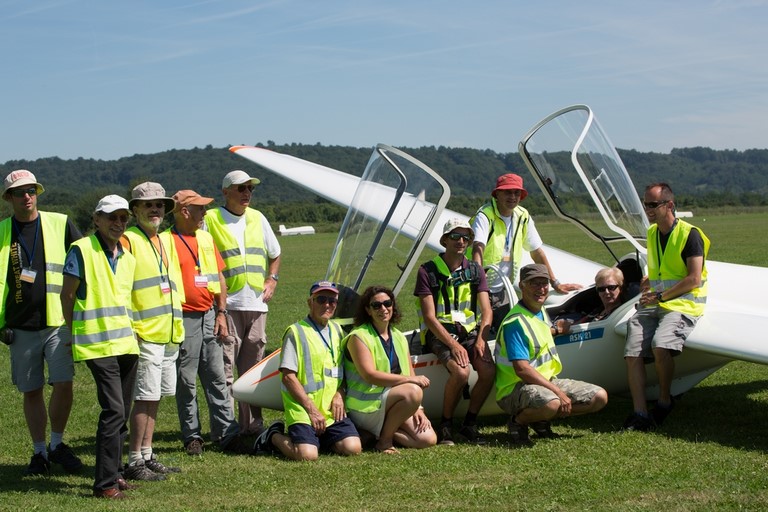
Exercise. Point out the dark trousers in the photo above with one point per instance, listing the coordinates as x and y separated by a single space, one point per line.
115 377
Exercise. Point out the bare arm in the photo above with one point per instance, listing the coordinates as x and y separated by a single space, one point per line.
478 249
67 296
220 325
363 360
427 304
296 390
529 375
269 283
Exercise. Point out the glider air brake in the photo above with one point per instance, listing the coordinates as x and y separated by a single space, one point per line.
397 208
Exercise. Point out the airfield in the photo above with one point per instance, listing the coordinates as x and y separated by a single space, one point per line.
711 454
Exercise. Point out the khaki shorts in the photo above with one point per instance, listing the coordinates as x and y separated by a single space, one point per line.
31 350
533 396
657 327
156 372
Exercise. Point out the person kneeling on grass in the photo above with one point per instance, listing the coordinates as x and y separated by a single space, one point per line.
527 365
383 394
312 372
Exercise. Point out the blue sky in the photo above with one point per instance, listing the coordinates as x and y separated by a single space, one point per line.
105 79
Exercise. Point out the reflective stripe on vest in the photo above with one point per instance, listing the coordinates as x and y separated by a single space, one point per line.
673 269
54 227
542 352
157 316
494 247
362 396
240 270
101 323
460 298
315 371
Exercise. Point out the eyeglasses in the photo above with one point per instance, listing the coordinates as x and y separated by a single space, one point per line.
608 287
21 192
324 299
377 304
150 204
243 188
653 204
459 236
113 217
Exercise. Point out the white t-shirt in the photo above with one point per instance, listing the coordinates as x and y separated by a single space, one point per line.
481 227
248 299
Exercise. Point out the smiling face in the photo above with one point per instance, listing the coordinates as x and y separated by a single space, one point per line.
507 200
535 292
658 208
111 226
457 241
609 291
322 306
377 308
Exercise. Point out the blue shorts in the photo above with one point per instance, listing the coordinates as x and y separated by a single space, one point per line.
301 433
30 351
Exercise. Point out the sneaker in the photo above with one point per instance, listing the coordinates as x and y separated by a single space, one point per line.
518 433
263 444
472 434
156 466
638 422
543 429
660 412
445 435
39 465
64 455
194 447
139 471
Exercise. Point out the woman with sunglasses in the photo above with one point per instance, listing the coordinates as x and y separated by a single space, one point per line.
609 283
383 394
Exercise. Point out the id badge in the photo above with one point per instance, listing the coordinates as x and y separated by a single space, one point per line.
458 316
335 373
201 281
28 275
165 286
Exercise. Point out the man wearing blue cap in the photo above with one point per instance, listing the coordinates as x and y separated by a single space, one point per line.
311 365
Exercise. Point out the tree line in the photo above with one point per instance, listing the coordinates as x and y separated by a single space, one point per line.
700 176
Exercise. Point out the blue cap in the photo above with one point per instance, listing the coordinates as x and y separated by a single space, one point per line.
323 285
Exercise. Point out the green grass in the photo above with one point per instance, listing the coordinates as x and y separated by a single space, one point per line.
710 455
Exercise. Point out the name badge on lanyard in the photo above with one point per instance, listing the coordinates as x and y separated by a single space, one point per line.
28 275
335 373
165 286
201 281
459 316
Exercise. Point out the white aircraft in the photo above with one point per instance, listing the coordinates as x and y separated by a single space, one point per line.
398 207
299 230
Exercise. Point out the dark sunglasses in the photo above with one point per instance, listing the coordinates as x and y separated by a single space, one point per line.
113 217
459 236
653 204
150 204
21 192
324 299
611 287
377 304
243 188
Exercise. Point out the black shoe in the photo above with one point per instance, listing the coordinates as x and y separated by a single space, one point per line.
139 471
64 455
39 465
234 444
543 429
263 443
660 412
445 435
472 434
156 466
518 433
638 422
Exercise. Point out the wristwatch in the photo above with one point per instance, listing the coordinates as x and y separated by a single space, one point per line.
555 283
274 276
658 297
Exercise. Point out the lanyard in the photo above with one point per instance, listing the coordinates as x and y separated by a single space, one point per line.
158 256
391 351
194 256
330 333
30 255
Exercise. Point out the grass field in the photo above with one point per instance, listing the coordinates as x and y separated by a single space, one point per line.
711 454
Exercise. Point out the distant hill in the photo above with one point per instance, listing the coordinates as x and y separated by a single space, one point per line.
698 176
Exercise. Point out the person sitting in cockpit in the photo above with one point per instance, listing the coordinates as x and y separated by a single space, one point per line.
609 284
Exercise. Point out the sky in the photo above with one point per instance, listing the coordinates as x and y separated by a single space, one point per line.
105 79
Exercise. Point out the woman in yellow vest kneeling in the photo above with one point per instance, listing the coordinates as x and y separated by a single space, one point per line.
383 394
